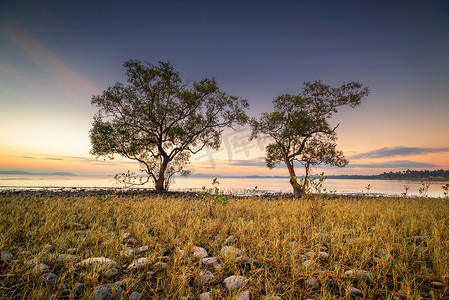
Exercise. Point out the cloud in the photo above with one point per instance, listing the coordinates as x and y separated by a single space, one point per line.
405 164
257 162
399 151
69 80
53 158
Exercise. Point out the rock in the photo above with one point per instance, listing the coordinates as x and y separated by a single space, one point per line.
77 226
126 236
134 296
50 278
199 252
67 259
139 263
79 288
245 295
235 282
160 265
48 248
33 262
230 250
320 255
436 285
229 240
107 292
210 261
111 272
313 283
65 294
204 278
205 296
359 274
142 249
355 292
101 262
40 268
6 256
307 265
128 252
241 260
164 258
72 250
256 271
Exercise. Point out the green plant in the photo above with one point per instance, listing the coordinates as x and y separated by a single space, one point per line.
404 194
446 190
213 196
424 188
109 196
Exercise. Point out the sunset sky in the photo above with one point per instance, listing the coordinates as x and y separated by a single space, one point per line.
54 55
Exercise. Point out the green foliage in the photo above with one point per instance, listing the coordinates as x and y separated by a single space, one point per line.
213 196
406 188
109 196
424 188
300 129
445 190
159 120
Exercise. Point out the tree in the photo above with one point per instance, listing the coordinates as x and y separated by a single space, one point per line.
159 120
300 129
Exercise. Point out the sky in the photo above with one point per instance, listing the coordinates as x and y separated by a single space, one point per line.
54 55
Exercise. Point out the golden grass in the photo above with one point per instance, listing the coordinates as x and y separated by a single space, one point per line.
371 234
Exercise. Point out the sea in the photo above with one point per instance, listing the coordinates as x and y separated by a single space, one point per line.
237 186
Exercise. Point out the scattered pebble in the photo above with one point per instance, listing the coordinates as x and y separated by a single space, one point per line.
355 292
436 284
245 295
107 291
50 278
134 296
199 252
205 296
6 256
235 282
139 263
230 250
101 262
313 283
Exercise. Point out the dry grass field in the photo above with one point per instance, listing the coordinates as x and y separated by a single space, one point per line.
74 247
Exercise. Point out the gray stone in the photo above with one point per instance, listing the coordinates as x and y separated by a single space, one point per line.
6 256
48 248
241 260
50 278
107 292
359 274
126 236
210 261
139 263
436 285
111 272
79 288
65 293
72 250
245 295
142 249
320 255
67 259
128 252
199 252
204 277
134 296
33 262
308 265
40 268
100 262
205 296
160 265
355 292
235 282
313 283
230 250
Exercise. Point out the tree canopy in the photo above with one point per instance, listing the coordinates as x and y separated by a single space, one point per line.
300 128
159 120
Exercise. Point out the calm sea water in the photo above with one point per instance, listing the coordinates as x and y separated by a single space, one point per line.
234 185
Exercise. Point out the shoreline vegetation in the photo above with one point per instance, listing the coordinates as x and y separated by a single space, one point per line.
434 175
180 245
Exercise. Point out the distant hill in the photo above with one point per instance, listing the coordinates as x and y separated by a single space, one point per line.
29 173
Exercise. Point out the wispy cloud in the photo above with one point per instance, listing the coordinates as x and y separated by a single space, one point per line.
256 162
399 151
68 79
402 164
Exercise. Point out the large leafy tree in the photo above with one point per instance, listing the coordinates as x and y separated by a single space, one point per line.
159 120
299 126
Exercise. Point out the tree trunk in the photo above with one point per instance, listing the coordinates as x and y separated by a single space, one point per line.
159 184
298 191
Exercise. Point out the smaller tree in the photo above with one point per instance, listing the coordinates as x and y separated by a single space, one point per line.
300 129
